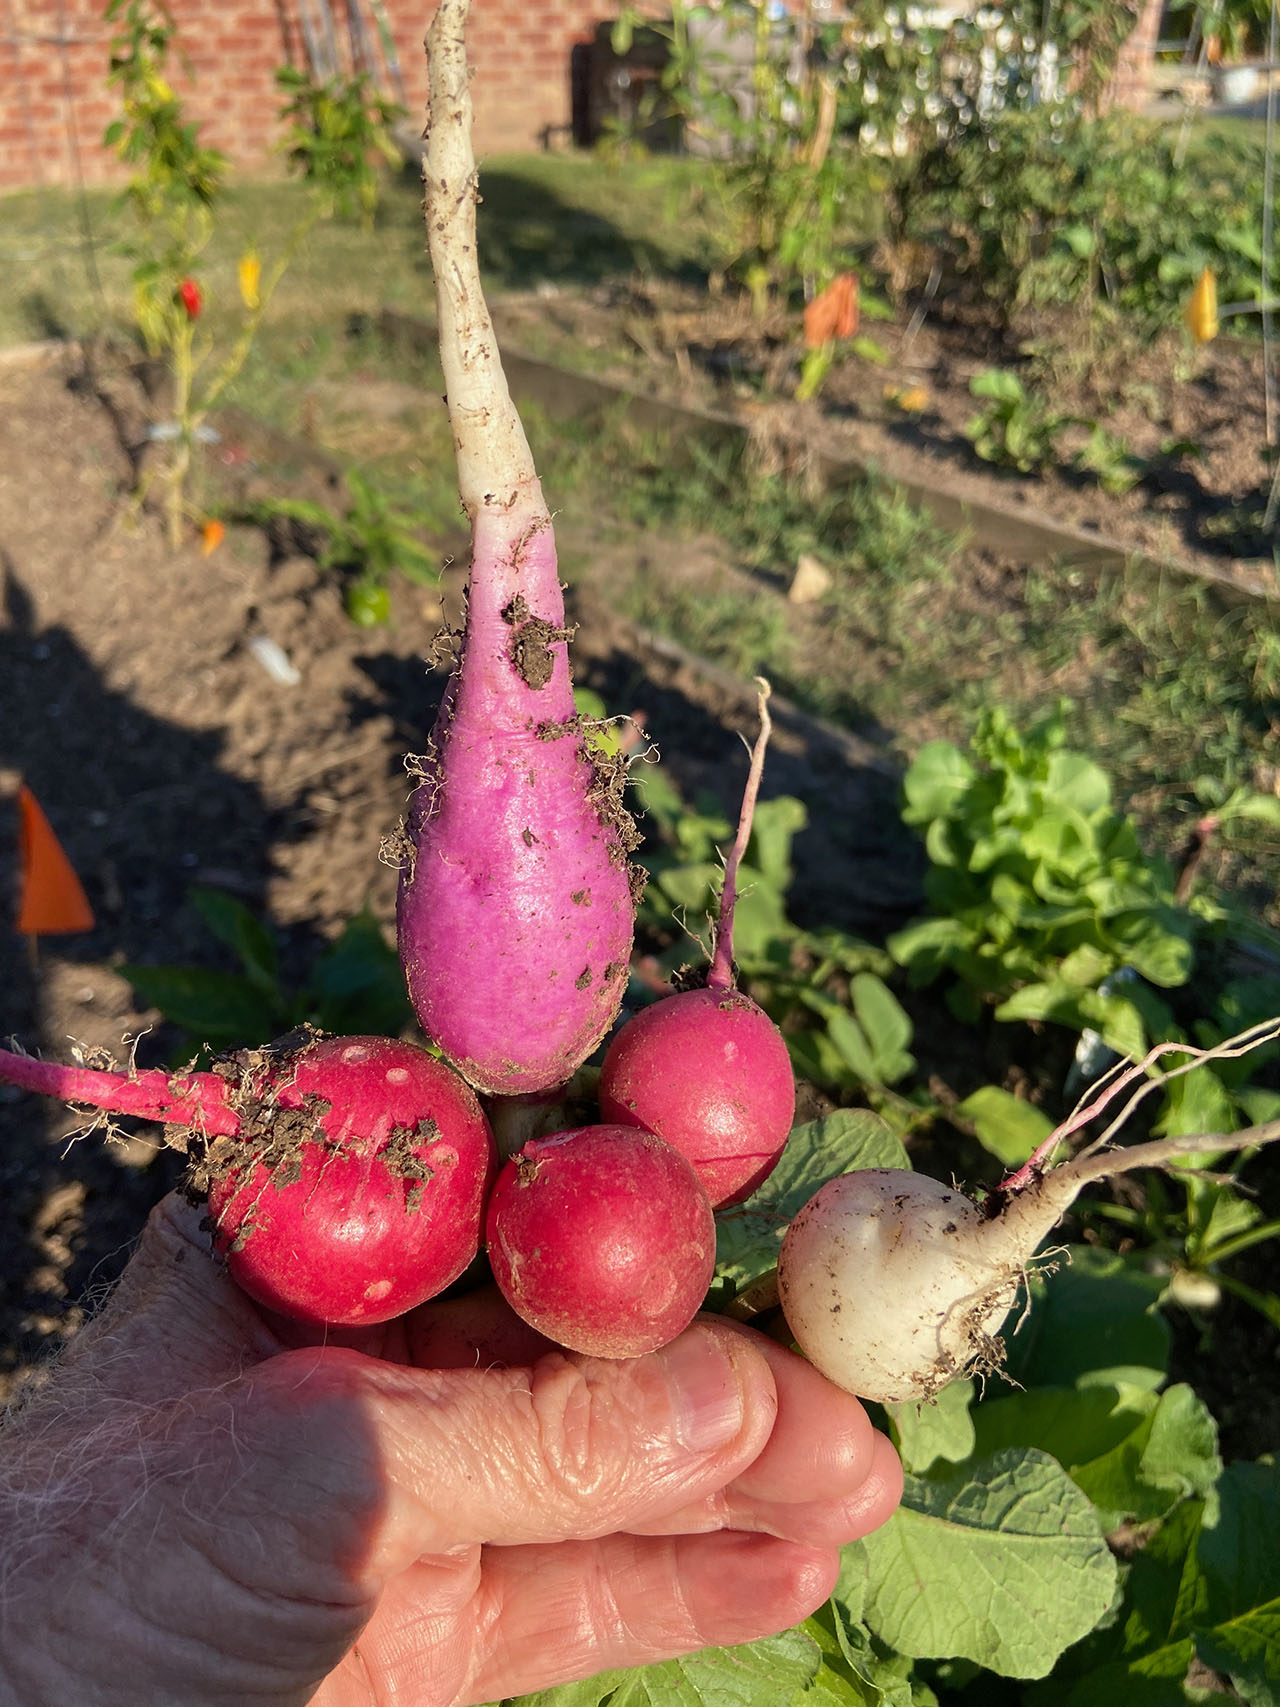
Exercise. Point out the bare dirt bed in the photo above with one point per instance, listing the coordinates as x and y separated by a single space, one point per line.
134 704
1202 506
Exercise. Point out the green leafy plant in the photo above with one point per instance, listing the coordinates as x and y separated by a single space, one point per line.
1040 891
174 191
1015 430
756 91
841 1022
354 985
1054 208
338 130
368 543
1046 908
1109 458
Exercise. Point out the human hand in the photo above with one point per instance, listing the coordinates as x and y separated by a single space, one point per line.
202 1508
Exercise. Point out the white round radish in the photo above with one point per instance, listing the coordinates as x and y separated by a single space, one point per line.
888 1286
894 1283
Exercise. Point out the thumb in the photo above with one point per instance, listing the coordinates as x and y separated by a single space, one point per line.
569 1448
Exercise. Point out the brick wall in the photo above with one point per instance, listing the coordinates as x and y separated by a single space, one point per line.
54 102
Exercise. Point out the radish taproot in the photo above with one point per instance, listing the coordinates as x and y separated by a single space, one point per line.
345 1177
602 1239
516 908
707 1069
893 1283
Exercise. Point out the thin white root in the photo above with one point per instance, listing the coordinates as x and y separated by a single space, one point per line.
494 459
1162 1152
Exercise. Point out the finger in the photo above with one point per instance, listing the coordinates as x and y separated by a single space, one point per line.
548 1615
824 1475
570 1448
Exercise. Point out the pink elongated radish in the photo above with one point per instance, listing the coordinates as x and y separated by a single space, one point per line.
180 1098
893 1283
707 1069
602 1239
345 1178
515 910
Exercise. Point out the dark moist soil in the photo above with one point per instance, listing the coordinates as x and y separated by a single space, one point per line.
135 702
1203 508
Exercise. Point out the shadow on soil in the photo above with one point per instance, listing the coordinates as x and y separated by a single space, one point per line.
144 811
529 235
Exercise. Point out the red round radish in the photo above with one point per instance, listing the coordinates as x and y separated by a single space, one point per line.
355 1187
602 1239
708 1071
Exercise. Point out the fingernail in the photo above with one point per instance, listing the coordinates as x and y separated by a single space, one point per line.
706 1394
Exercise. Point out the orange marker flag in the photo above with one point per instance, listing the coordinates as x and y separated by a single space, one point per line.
51 901
833 313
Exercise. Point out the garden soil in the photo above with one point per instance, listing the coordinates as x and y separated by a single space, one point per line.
1193 419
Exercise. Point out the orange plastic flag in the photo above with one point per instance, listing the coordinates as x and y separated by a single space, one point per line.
833 313
51 901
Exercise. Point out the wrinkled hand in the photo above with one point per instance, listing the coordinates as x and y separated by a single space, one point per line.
199 1508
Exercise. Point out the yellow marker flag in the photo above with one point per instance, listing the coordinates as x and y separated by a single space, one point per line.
1201 312
250 273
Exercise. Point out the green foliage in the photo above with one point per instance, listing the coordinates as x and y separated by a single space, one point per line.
1053 209
1046 908
338 128
176 186
757 93
373 540
354 985
176 182
1039 890
842 1023
1015 430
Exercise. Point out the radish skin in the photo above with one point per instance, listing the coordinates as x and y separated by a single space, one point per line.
179 1098
515 911
602 1239
893 1283
346 1178
355 1189
707 1069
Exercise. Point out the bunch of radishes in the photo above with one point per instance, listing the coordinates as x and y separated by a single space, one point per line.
350 1179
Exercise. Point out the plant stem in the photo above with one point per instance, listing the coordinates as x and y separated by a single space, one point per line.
180 462
1242 1242
720 977
183 1099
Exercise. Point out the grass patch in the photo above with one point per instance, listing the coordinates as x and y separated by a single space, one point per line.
547 218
